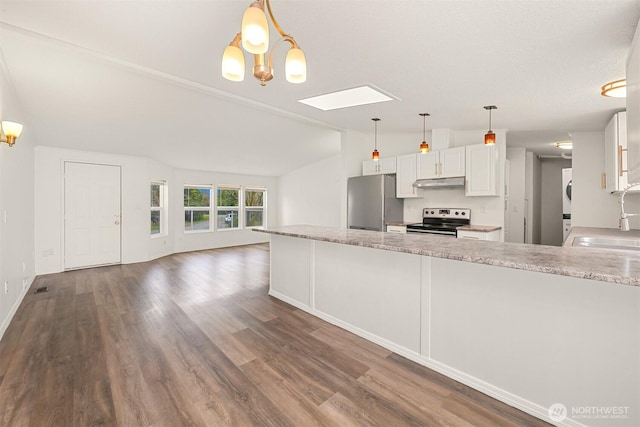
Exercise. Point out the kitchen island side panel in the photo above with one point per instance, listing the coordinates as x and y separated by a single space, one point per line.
373 290
291 269
545 338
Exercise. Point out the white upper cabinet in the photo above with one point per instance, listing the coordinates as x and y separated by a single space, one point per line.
452 162
377 167
406 167
441 163
615 153
481 170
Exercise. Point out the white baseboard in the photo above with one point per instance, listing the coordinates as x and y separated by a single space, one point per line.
14 309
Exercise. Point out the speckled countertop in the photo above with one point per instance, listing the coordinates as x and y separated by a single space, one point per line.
621 267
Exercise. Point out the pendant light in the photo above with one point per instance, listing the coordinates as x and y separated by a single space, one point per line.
424 147
375 155
490 137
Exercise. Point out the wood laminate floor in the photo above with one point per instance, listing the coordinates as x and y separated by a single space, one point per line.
194 339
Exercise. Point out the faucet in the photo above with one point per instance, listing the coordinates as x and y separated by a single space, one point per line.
624 221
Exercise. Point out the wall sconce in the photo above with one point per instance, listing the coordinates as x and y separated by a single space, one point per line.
9 131
490 136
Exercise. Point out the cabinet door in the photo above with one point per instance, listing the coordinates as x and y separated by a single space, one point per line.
615 144
370 167
481 170
387 165
427 166
406 175
452 162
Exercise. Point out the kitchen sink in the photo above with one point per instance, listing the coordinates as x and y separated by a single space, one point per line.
607 243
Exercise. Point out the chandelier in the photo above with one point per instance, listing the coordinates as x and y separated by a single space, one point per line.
254 37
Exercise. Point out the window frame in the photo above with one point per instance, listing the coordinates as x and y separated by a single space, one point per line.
238 209
209 208
262 208
162 208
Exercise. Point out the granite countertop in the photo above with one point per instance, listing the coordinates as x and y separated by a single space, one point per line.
483 228
621 267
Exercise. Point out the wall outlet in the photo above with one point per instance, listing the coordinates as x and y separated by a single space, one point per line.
24 266
6 287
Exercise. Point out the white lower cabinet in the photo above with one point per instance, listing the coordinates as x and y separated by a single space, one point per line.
479 235
400 229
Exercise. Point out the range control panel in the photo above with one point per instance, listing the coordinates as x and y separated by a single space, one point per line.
446 213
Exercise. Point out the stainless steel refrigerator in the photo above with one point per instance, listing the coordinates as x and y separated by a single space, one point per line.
372 203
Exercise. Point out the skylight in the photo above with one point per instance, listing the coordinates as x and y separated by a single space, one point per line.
362 95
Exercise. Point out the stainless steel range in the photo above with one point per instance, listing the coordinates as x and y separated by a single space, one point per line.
441 221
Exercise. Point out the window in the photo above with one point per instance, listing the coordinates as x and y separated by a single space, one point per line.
227 202
254 203
197 208
158 209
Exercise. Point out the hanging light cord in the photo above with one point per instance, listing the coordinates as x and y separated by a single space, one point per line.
424 127
490 119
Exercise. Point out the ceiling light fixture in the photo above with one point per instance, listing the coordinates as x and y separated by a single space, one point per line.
615 89
254 36
564 145
424 147
490 137
375 155
9 131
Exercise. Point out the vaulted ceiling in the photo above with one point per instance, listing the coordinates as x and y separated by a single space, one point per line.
143 77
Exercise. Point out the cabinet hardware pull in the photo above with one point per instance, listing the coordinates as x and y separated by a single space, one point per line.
603 180
621 169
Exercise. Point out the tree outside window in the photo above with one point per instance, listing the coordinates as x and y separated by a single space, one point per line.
254 204
158 210
197 208
228 208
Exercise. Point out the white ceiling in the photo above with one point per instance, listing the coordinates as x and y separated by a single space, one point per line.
143 77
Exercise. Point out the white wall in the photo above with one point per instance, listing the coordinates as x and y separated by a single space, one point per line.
517 207
137 173
49 206
357 148
17 266
533 197
591 206
551 200
312 194
185 242
633 108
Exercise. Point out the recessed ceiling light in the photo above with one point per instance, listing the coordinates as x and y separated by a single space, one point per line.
565 145
362 95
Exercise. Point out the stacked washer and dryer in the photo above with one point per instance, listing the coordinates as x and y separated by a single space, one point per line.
566 203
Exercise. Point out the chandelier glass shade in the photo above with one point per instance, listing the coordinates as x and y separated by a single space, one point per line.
254 38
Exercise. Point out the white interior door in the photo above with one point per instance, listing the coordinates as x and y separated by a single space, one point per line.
92 215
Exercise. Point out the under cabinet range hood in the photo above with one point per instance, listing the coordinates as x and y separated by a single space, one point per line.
454 182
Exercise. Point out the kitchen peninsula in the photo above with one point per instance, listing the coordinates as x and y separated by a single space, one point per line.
530 325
